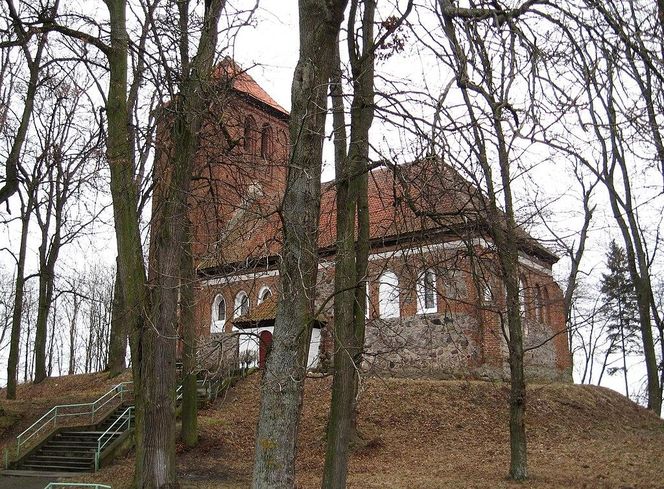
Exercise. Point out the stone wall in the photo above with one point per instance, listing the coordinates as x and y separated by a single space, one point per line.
540 361
423 346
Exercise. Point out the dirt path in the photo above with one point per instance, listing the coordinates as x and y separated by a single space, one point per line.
9 482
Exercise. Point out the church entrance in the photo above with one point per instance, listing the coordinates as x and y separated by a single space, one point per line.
265 345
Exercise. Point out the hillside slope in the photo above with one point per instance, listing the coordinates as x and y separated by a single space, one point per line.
35 400
437 434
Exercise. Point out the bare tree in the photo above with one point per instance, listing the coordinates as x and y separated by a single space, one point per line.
68 156
281 389
18 34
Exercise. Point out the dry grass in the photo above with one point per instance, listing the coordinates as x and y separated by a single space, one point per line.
438 434
32 401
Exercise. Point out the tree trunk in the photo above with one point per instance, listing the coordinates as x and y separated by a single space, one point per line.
351 256
168 234
17 313
125 206
117 348
281 389
188 328
637 259
12 163
46 279
72 341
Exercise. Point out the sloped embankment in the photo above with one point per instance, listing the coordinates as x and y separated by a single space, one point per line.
428 434
32 401
437 434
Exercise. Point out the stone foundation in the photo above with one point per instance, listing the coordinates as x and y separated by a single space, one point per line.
449 347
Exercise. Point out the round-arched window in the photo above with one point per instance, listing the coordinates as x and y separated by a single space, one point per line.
218 314
250 135
264 294
241 304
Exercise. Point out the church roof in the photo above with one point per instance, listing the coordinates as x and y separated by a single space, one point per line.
419 202
261 315
241 81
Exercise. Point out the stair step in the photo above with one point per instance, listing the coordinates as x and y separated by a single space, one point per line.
56 467
60 461
73 450
58 453
70 445
64 455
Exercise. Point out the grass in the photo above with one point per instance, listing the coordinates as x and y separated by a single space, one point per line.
32 401
436 434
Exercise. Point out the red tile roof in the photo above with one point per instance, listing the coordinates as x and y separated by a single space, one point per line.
417 199
244 83
265 312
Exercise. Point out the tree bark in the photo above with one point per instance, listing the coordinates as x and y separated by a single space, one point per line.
117 348
281 389
351 255
188 327
17 313
168 233
125 206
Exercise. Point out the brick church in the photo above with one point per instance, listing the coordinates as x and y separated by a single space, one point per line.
435 301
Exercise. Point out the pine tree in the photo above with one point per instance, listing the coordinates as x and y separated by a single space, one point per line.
620 308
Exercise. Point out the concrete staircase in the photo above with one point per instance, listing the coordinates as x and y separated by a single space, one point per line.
71 450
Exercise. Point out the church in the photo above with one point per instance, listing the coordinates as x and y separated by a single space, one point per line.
436 307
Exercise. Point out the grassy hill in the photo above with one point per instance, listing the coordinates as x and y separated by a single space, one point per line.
436 434
35 400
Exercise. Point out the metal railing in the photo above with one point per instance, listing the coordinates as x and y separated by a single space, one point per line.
68 413
54 485
107 436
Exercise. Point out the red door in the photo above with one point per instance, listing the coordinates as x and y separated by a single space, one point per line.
265 338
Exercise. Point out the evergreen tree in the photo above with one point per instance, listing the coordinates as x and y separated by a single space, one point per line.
620 308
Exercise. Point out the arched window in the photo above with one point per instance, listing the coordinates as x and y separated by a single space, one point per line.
522 295
545 305
487 292
264 294
455 284
241 304
250 135
388 296
218 314
427 296
539 304
266 141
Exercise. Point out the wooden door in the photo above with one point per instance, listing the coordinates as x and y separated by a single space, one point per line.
265 340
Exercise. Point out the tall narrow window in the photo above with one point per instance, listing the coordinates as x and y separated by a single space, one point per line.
487 293
218 314
388 296
266 141
250 135
427 300
539 304
264 294
545 305
241 304
522 295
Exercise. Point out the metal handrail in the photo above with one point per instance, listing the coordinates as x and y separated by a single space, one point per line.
108 433
85 409
52 485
